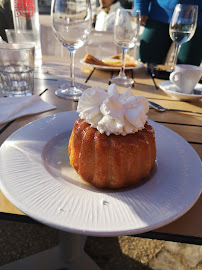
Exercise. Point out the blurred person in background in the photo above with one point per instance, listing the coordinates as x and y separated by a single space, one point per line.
6 18
155 41
106 15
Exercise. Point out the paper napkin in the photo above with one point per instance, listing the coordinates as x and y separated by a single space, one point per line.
15 107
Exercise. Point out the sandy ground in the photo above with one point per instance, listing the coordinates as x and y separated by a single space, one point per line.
18 240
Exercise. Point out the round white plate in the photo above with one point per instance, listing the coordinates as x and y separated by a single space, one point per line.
139 65
171 90
36 177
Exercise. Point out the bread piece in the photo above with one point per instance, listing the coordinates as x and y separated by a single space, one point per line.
129 62
94 61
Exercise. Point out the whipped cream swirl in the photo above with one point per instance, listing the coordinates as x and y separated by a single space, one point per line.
111 112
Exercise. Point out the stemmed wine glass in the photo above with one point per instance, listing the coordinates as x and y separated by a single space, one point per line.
182 26
126 31
71 22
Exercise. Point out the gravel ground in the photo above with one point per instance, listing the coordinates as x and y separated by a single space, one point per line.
18 240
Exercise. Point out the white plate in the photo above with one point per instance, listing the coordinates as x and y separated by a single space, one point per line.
139 65
171 90
36 177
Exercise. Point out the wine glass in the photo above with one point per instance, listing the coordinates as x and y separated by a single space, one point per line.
182 26
71 23
126 31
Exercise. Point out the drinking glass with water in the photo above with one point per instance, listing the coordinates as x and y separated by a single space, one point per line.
17 69
182 26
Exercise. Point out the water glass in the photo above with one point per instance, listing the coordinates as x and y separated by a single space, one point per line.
71 23
126 34
17 69
182 26
26 37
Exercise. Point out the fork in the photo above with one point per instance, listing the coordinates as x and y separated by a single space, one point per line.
159 108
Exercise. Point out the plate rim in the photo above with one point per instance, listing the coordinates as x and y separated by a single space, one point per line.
90 232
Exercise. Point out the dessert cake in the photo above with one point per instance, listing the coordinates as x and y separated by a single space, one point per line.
112 145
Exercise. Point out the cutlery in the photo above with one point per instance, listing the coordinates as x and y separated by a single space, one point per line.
150 70
159 108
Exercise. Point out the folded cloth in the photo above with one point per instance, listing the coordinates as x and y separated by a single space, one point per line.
15 107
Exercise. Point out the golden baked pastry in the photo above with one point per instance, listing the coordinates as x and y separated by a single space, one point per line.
112 61
94 61
112 161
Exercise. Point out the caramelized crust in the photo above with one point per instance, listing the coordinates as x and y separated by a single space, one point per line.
113 161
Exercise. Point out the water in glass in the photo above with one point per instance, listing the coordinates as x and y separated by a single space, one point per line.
182 26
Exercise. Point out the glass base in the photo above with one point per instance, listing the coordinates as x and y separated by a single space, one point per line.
122 80
69 92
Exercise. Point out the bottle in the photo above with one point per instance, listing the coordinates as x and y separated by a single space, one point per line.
26 25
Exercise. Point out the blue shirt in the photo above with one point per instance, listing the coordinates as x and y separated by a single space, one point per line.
162 10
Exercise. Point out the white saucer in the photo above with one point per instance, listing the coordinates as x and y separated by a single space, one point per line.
171 90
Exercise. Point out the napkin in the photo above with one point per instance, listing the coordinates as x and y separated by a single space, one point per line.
15 107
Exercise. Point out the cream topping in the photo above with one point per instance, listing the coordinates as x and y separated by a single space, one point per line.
111 112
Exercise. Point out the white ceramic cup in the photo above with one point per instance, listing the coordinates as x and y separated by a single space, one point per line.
185 77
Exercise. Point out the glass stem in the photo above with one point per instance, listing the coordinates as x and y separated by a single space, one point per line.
72 54
177 48
122 71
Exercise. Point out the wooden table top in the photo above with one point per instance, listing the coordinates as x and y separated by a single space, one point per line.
55 70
